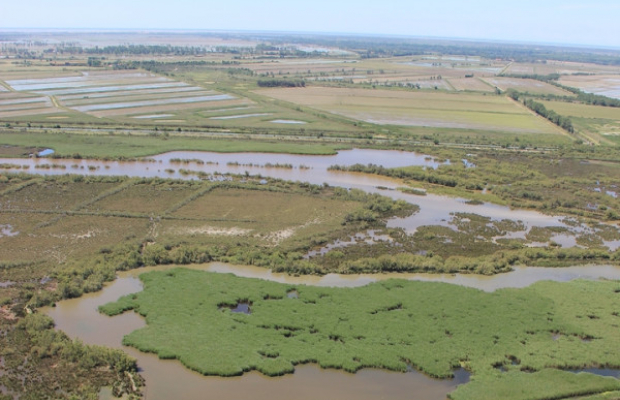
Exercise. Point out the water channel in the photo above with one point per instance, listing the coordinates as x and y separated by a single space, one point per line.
169 379
434 209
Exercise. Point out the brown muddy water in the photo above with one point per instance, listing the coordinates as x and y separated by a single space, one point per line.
166 379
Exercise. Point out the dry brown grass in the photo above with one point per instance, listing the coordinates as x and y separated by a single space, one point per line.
144 198
54 196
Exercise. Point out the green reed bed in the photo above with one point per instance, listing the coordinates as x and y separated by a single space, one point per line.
434 327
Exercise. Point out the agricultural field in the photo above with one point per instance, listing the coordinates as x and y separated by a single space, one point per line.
143 99
130 94
597 120
559 67
19 104
440 110
526 85
469 84
314 67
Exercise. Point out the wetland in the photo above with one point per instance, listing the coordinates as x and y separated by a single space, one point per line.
382 219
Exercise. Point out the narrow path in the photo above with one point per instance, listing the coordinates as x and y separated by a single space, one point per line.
57 104
7 86
487 83
505 68
450 85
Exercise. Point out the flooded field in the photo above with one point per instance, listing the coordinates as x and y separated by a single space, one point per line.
16 104
241 116
606 85
153 116
94 93
22 101
182 89
110 106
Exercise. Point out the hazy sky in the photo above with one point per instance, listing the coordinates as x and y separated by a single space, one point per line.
589 22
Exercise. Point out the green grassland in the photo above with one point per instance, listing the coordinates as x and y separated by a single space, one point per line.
133 146
433 327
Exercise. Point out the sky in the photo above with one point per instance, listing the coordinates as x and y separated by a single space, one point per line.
584 22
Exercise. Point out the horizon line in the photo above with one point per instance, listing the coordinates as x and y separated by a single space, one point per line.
318 33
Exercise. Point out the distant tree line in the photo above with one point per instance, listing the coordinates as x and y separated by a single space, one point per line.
582 97
164 67
543 78
281 83
137 49
590 98
373 47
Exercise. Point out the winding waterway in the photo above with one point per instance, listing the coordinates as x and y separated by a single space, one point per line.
434 209
169 379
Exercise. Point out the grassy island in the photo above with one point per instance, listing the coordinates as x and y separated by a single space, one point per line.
516 342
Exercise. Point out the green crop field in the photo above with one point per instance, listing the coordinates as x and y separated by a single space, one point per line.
528 333
584 110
